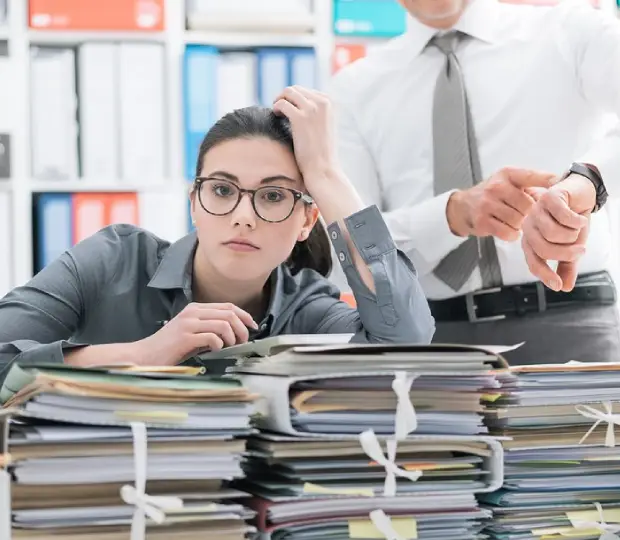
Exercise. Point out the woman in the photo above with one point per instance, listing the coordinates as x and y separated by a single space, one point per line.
255 266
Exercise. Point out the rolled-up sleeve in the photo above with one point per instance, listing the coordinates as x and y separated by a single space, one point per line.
397 312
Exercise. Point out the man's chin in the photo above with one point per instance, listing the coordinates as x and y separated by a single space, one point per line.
443 13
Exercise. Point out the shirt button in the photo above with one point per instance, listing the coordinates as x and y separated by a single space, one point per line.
334 235
342 257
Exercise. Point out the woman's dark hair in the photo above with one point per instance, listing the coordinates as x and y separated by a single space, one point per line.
250 122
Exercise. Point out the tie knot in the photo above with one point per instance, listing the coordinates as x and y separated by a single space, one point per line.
446 43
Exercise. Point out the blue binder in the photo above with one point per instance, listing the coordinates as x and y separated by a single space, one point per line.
279 67
200 66
302 68
54 227
273 73
377 18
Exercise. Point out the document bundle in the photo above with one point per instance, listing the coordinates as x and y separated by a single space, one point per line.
562 465
369 441
92 454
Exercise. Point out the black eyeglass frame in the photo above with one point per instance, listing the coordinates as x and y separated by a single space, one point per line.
298 196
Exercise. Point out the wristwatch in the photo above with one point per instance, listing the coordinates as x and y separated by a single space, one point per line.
591 173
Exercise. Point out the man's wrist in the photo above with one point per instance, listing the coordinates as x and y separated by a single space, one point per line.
456 214
593 175
580 191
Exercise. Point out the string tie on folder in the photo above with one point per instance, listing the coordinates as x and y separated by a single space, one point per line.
383 523
609 530
404 423
406 420
599 416
372 448
146 505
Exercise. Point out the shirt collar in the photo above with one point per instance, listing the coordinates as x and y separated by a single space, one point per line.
175 272
479 20
175 268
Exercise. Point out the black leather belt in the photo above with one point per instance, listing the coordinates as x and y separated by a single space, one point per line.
519 300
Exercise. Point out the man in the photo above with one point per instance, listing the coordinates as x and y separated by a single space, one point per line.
429 124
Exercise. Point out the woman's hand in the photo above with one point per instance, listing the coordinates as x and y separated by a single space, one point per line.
309 112
197 328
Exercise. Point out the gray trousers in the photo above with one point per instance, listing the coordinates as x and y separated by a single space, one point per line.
586 334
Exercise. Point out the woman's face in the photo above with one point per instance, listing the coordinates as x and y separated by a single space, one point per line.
240 245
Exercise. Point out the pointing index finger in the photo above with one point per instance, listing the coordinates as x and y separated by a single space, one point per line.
527 178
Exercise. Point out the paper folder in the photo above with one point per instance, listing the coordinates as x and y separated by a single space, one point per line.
276 417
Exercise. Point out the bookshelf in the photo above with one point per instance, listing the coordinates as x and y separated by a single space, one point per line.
22 187
171 186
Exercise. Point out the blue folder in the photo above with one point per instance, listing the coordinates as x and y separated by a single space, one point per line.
54 230
199 99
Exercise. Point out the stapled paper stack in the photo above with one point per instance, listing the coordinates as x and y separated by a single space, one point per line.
370 441
93 453
562 465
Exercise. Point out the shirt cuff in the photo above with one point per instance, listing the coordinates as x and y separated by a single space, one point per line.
439 239
369 233
46 353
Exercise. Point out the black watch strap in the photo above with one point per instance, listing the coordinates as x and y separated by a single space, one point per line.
593 175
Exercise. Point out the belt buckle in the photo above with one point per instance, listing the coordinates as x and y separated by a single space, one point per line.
472 307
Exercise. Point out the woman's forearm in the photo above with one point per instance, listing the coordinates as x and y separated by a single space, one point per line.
104 355
337 199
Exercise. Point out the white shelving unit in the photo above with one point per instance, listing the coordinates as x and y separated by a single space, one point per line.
174 38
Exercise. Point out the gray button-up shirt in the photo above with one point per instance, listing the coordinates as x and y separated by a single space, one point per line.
121 284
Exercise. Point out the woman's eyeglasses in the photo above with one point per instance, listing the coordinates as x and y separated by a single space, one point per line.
271 203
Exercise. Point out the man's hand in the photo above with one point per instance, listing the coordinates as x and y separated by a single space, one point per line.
557 229
498 206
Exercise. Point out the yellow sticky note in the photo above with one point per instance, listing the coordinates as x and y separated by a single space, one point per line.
611 515
490 397
556 533
572 533
365 529
315 489
550 531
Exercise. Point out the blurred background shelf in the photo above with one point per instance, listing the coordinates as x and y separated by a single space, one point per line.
103 104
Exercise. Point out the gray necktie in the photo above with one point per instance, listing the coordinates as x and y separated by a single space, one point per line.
457 166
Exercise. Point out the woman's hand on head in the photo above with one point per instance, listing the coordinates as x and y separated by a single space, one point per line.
197 328
309 112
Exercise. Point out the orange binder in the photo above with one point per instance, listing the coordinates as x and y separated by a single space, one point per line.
349 299
89 214
94 211
346 53
123 208
111 15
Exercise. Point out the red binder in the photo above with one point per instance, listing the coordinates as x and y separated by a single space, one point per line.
94 211
111 15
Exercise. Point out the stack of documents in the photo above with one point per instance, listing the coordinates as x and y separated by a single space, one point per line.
562 465
283 468
329 455
346 389
81 439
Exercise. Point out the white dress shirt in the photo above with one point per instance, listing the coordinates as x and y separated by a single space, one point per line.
542 83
